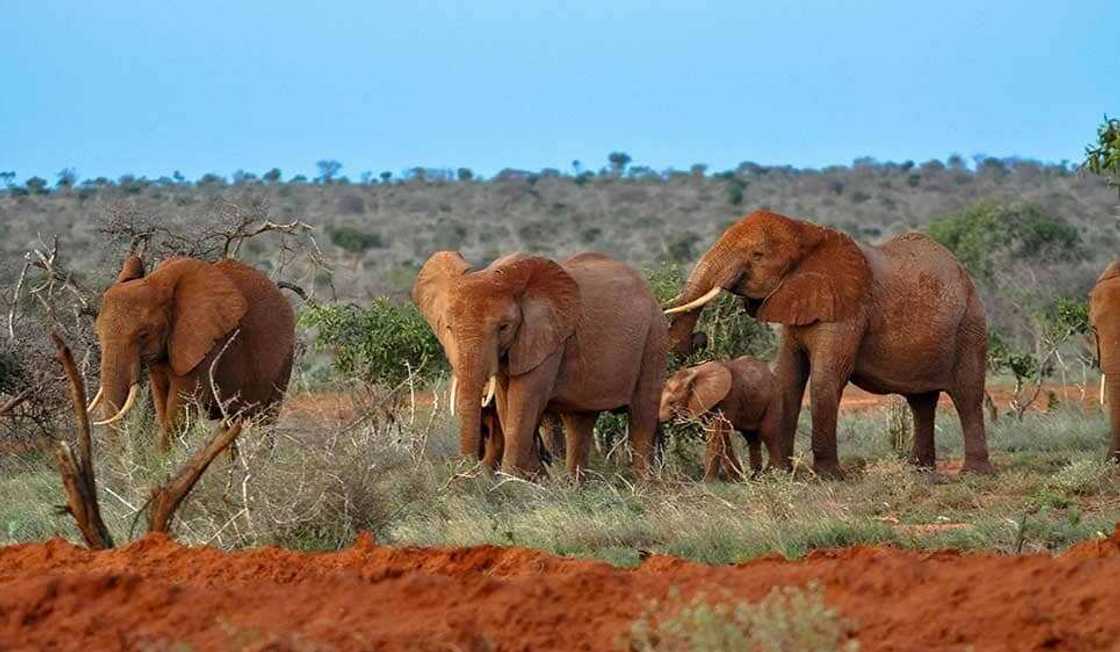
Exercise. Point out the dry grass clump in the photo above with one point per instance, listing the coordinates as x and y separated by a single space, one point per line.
788 618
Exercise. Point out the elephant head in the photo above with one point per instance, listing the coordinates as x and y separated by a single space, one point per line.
174 316
1104 315
694 391
505 319
788 271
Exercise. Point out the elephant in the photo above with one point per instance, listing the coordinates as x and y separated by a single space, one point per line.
199 328
573 338
740 394
903 317
1104 315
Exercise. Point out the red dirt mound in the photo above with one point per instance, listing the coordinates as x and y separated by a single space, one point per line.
156 594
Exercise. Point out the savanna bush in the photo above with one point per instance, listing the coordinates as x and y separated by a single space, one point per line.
988 233
382 343
355 240
731 332
788 618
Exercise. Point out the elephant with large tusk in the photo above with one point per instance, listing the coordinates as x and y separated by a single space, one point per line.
183 320
572 338
1104 315
899 318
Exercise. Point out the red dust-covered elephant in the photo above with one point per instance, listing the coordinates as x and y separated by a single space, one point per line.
900 318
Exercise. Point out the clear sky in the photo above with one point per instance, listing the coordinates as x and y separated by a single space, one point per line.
202 86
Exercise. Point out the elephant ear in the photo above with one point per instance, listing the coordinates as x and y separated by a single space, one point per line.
431 291
206 306
132 269
711 382
550 309
829 283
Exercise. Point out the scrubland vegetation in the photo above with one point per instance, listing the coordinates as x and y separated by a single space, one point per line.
366 443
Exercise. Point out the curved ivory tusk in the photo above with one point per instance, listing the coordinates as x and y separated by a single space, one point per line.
96 400
692 305
1103 397
490 387
452 394
132 392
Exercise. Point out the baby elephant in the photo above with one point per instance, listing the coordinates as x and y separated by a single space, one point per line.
740 394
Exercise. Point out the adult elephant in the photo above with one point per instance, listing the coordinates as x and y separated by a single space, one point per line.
574 338
1104 314
191 322
901 318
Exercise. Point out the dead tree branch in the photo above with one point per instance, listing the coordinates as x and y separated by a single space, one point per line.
14 402
167 498
77 471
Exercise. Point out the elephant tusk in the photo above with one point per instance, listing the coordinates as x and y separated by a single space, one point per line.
132 392
96 400
692 305
490 387
1103 397
452 394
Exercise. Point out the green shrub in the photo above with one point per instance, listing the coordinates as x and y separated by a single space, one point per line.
1103 157
379 344
355 240
730 330
987 232
789 618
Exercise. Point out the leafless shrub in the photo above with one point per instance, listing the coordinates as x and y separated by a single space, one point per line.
220 227
46 296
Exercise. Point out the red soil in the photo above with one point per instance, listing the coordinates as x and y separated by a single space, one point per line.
155 594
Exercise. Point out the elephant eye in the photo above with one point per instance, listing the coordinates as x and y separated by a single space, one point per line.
756 255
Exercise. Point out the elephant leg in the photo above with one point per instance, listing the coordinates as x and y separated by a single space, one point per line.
970 408
770 433
1112 387
924 407
968 398
754 449
492 441
552 432
525 400
180 390
161 383
824 393
717 464
792 371
579 428
644 404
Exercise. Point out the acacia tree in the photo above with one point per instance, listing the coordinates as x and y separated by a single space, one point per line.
1103 157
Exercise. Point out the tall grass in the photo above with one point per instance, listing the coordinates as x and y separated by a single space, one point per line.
389 467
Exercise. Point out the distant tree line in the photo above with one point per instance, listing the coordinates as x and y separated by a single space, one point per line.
1100 158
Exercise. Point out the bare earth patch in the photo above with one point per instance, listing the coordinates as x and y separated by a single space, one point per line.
158 593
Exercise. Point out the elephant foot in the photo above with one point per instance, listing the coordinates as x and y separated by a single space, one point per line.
981 467
828 470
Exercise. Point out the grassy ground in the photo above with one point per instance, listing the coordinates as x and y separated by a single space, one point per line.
393 472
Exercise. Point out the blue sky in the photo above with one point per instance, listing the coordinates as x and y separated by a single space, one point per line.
151 87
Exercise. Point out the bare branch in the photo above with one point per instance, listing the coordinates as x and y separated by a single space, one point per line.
167 498
77 471
14 402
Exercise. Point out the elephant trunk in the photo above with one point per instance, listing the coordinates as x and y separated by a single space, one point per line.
708 275
1112 392
120 380
471 381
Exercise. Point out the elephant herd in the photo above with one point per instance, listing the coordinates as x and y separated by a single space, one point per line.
533 340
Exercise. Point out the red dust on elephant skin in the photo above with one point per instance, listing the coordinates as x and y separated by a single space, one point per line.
158 594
